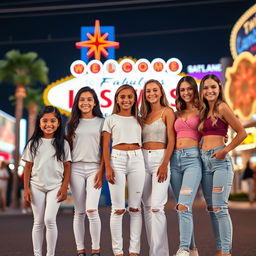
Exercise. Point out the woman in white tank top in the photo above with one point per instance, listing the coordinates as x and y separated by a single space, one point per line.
158 142
84 135
125 163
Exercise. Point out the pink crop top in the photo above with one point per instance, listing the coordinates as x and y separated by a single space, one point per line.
188 128
220 128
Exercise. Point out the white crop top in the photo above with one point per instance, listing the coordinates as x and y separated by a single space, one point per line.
124 129
47 171
86 143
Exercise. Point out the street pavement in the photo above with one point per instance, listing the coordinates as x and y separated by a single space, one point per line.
15 232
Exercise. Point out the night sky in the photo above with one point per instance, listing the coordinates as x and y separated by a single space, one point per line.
196 32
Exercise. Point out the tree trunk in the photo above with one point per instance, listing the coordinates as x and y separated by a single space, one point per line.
32 112
20 94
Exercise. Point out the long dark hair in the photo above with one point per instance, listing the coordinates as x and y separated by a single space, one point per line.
76 113
204 103
180 103
134 110
58 142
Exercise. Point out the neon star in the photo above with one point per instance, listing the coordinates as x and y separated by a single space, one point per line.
97 43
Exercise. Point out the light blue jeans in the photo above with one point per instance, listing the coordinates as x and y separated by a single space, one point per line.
218 176
186 174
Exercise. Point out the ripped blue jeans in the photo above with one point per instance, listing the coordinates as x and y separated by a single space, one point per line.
216 184
186 174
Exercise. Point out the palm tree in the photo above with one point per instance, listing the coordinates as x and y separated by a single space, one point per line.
33 102
21 70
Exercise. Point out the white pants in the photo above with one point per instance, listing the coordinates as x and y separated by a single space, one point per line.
127 165
86 198
155 196
45 207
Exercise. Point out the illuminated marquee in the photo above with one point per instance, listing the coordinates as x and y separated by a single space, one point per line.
243 35
106 77
240 88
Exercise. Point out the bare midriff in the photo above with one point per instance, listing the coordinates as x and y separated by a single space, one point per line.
212 141
186 143
127 147
153 145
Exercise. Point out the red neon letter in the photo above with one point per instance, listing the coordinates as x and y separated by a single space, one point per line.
95 68
111 68
143 67
173 95
158 66
127 67
78 68
71 98
104 97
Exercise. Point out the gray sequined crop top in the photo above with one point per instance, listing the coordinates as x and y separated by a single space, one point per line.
155 132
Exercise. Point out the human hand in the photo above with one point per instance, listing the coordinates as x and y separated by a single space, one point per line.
220 154
62 194
162 173
98 180
27 196
110 175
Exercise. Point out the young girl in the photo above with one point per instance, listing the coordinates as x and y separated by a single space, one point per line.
126 162
84 135
217 178
158 142
186 167
46 176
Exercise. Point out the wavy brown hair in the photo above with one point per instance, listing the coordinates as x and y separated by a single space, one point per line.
180 103
134 110
145 107
205 105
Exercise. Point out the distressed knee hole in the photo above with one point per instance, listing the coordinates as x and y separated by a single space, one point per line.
155 210
89 211
134 209
119 212
210 208
185 191
181 207
217 189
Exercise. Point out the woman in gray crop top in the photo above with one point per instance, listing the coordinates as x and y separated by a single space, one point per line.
125 163
84 135
158 139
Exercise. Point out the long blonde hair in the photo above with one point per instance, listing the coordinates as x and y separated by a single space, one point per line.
134 110
204 111
145 107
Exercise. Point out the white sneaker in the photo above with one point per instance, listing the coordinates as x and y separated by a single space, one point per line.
182 252
193 253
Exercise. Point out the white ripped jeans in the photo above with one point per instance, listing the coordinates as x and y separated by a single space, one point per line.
86 198
127 165
155 196
45 207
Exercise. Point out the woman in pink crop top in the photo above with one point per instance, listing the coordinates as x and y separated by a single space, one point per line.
186 162
217 171
158 143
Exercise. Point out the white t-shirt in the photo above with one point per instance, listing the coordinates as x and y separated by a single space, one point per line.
86 143
47 171
124 129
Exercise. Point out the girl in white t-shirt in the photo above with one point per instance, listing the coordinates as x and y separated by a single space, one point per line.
126 163
84 135
46 176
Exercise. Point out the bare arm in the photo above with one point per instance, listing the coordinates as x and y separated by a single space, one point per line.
110 175
27 174
62 193
169 121
235 124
